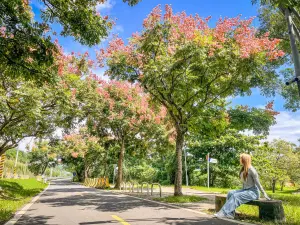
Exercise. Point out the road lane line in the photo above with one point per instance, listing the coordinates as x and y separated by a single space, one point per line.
120 220
21 212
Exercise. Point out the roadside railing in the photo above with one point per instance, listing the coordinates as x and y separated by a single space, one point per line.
152 185
131 188
147 187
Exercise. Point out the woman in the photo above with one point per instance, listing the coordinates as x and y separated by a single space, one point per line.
250 191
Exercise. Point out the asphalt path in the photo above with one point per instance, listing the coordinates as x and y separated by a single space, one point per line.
66 203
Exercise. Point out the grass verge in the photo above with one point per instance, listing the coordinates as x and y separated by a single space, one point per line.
291 205
16 193
211 189
180 199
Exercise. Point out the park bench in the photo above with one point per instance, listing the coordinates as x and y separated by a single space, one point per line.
268 210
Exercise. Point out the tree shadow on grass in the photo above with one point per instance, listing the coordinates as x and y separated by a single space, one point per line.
13 191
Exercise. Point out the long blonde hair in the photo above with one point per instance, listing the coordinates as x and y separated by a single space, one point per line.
245 160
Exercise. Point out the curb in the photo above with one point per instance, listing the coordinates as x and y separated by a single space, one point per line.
21 212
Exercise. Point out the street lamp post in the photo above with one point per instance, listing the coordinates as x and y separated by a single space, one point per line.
15 168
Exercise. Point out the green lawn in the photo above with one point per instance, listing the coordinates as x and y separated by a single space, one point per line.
291 205
15 194
181 199
211 189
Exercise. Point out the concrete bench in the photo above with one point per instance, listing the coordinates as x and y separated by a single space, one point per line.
268 210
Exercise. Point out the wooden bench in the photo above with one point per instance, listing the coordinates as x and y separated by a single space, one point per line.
268 210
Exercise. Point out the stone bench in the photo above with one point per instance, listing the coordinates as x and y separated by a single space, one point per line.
268 210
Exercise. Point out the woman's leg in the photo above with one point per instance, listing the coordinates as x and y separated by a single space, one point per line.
236 199
230 193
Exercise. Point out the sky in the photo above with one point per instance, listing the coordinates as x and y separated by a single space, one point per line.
130 19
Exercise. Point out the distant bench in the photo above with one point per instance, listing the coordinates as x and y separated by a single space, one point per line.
268 210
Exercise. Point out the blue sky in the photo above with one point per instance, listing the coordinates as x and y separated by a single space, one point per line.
130 19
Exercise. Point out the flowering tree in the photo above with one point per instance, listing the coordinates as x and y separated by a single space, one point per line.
125 115
26 48
31 110
42 156
189 67
82 146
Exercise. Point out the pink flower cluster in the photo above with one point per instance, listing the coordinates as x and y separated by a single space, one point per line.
127 101
4 34
184 28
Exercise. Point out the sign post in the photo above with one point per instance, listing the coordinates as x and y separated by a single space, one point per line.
209 160
208 170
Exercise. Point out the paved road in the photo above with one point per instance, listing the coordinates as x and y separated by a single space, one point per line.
65 203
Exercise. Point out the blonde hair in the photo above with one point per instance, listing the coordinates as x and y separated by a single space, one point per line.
245 160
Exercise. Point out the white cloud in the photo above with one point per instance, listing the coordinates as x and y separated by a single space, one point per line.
119 29
287 127
260 106
100 73
105 6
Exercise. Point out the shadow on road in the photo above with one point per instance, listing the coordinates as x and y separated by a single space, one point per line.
102 201
168 220
34 220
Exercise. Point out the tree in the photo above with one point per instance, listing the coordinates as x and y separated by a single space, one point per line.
26 46
276 161
41 157
282 19
85 148
127 117
30 110
190 68
26 111
229 141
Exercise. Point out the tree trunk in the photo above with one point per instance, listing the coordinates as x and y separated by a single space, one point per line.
273 185
178 174
44 169
282 185
120 165
105 164
295 52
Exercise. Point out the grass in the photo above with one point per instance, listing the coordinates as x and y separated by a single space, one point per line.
181 199
16 193
291 205
211 189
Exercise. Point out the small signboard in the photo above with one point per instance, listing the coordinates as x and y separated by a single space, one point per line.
212 160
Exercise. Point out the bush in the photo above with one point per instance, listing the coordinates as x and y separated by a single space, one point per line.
165 182
228 181
198 179
142 173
